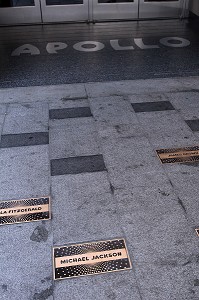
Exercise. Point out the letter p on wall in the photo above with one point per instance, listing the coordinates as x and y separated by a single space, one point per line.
52 48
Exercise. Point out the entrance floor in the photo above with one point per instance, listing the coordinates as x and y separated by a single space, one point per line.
75 53
129 194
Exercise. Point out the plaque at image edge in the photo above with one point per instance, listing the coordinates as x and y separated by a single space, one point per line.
179 155
25 210
90 258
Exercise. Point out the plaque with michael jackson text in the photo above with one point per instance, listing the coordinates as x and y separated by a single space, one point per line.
90 258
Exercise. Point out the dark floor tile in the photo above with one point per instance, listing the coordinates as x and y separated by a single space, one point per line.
76 112
76 165
193 124
152 106
24 139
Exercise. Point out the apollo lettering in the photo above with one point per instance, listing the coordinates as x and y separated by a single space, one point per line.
95 46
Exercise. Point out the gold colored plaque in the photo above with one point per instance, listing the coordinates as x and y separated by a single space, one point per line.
90 258
25 210
179 155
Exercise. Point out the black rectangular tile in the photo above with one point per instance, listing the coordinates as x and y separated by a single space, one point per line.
152 106
24 139
75 112
76 165
90 259
193 124
25 210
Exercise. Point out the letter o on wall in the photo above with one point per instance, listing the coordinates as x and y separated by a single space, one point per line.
175 42
95 46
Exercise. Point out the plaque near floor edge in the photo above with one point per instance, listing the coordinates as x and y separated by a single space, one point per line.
90 258
179 155
25 210
197 231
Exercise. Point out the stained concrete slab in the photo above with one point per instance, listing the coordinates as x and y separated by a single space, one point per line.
166 282
112 110
80 203
104 287
132 162
3 109
24 172
186 103
67 103
22 255
135 87
184 178
42 93
26 118
146 97
74 137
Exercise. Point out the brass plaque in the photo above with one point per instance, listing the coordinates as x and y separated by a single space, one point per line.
25 210
90 258
179 155
197 231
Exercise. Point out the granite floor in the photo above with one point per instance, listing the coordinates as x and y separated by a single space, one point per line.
92 148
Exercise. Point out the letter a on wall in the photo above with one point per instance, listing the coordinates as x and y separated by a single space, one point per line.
26 49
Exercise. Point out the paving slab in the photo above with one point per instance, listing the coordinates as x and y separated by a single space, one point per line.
186 103
112 110
83 209
184 178
101 287
132 162
115 118
3 109
42 93
67 103
25 118
128 87
147 97
74 137
164 237
26 248
166 282
166 129
24 172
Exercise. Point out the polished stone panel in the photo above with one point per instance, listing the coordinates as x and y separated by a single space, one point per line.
24 139
193 124
76 165
76 112
152 106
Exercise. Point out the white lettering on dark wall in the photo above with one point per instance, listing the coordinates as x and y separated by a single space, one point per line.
94 46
